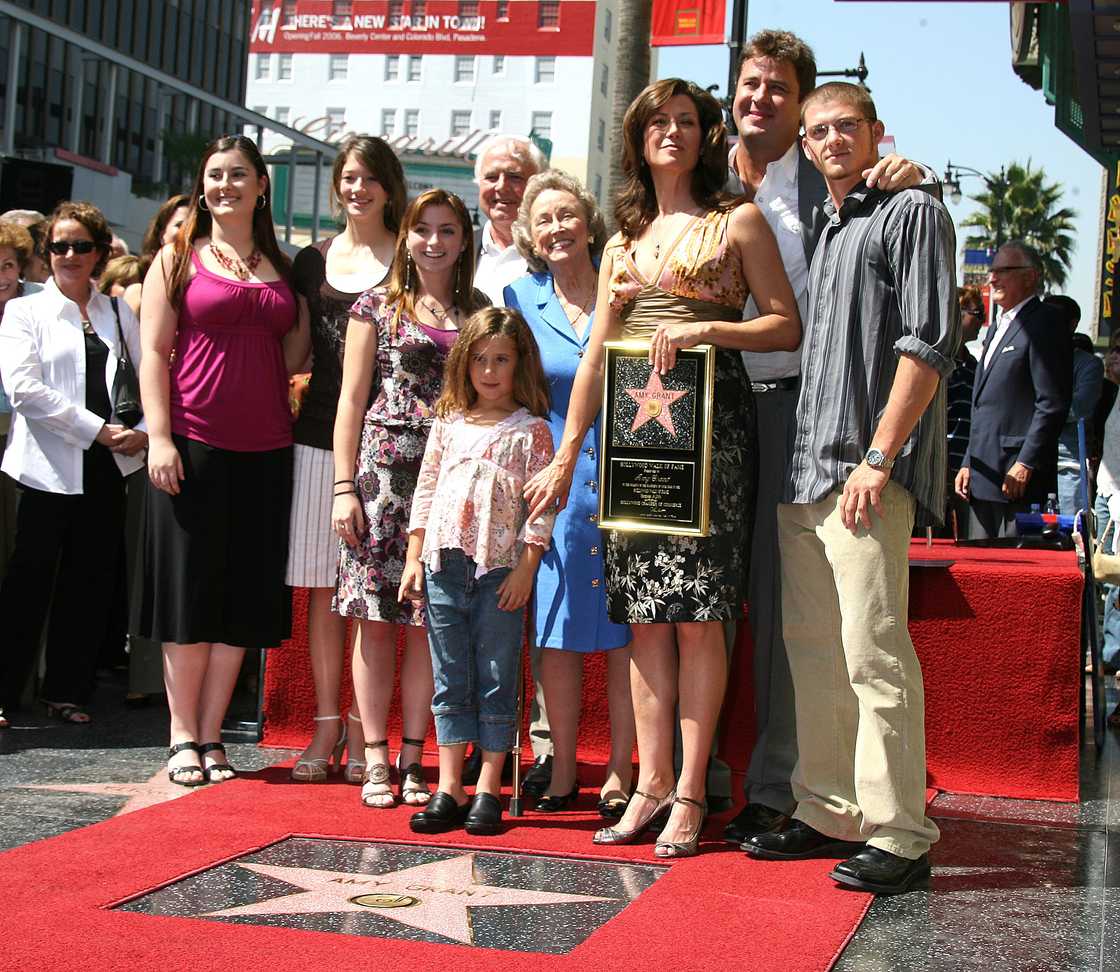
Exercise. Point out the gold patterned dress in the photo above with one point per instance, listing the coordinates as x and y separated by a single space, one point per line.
652 578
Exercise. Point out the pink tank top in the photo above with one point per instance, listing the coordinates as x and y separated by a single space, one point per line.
229 385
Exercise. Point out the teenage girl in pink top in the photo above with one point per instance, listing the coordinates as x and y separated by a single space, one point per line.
472 545
221 331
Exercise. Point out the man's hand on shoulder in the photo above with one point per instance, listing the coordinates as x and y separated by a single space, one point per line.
892 173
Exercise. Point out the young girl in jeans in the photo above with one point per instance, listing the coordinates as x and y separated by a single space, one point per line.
470 543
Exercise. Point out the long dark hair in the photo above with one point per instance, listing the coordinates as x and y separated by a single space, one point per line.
199 223
376 155
153 238
636 205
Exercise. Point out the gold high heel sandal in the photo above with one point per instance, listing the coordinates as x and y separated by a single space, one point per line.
690 846
316 768
355 771
612 835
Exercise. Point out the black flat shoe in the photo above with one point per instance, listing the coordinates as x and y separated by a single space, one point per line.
798 842
440 815
881 872
538 779
753 819
553 803
485 815
612 808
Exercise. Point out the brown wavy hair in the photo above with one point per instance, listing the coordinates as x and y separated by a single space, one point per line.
15 236
153 237
199 223
91 218
404 284
374 153
530 387
636 205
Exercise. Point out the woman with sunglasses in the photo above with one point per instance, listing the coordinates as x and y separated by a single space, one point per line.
222 330
69 452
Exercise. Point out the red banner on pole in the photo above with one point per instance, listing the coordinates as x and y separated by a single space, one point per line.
687 22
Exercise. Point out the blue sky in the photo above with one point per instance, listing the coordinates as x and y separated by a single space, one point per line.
941 77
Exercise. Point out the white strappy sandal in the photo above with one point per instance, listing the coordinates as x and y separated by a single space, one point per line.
316 768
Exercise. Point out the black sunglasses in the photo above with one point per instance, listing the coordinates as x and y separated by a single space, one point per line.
62 247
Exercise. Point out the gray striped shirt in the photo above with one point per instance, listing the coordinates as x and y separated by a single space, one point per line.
882 283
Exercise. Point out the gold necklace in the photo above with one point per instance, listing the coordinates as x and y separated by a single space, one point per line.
567 306
441 314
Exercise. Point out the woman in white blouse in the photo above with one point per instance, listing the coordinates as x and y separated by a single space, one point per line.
69 453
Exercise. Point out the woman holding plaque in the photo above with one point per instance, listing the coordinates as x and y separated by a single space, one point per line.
677 274
560 232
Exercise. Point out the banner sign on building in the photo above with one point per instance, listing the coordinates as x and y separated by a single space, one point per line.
678 22
560 28
1110 291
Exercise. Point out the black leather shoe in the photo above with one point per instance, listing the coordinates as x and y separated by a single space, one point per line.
798 842
485 816
555 803
753 819
881 872
440 815
537 780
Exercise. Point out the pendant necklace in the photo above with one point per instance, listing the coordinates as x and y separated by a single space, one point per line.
441 314
241 270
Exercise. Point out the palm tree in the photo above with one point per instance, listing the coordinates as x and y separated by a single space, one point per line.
1018 204
631 67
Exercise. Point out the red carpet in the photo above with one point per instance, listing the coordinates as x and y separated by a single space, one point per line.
708 911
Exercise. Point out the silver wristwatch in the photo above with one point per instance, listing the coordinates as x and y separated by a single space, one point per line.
877 459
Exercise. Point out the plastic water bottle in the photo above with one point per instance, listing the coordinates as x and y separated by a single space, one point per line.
1036 508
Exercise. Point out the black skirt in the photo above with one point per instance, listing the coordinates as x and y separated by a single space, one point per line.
214 556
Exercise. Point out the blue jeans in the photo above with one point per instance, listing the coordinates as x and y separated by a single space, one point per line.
1069 475
475 653
1110 636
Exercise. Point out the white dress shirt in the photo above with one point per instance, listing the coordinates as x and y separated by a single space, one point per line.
1005 320
497 268
777 198
43 364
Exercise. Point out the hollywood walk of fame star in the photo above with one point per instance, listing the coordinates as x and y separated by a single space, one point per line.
653 403
432 897
157 789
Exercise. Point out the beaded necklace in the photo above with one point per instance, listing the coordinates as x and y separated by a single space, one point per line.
241 270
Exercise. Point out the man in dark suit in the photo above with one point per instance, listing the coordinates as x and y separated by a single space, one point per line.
1024 383
776 72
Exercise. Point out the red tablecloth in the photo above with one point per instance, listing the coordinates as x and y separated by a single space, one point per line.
997 632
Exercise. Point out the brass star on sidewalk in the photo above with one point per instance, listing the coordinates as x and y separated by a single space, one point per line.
654 402
432 897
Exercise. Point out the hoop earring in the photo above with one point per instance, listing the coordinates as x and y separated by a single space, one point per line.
261 201
202 204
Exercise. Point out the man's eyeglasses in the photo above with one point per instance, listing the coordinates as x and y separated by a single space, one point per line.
62 247
845 126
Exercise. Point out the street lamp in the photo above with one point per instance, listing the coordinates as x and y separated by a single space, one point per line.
996 187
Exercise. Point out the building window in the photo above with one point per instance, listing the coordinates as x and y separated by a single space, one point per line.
412 122
336 121
468 8
338 67
548 14
545 70
261 109
289 10
414 67
396 12
460 123
284 67
599 187
603 79
499 64
502 12
283 113
419 8
607 24
464 67
495 121
340 12
392 67
388 121
541 124
601 138
264 67
265 18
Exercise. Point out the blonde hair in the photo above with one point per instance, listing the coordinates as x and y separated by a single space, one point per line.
124 270
530 387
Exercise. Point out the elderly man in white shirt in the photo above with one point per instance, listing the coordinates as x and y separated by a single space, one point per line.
504 165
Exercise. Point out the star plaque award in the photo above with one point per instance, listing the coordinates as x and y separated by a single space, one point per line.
656 456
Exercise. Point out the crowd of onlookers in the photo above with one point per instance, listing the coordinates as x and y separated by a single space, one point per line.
437 485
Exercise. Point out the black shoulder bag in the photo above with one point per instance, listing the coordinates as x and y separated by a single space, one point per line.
126 385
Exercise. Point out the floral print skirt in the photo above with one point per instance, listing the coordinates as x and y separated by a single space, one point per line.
369 574
654 578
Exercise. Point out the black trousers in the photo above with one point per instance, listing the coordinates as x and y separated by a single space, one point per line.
67 560
988 520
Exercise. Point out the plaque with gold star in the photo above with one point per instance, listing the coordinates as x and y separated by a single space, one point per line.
656 455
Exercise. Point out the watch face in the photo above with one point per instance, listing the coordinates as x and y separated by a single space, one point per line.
875 458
